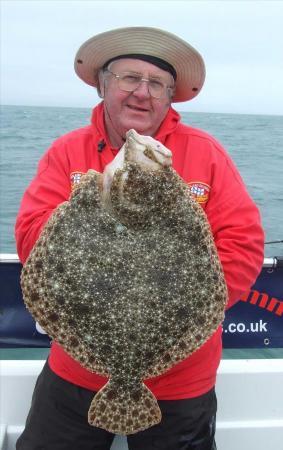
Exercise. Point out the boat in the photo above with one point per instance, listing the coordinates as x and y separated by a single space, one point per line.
249 382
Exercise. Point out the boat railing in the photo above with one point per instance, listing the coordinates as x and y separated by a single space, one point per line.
270 262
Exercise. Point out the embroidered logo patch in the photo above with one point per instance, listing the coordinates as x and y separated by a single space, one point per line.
200 191
75 178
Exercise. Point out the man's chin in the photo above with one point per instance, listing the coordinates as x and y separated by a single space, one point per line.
139 127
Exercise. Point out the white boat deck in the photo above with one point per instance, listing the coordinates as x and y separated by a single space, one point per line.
250 403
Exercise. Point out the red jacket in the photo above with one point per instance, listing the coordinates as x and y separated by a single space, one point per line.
215 183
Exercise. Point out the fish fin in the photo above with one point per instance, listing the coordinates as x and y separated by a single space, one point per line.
124 412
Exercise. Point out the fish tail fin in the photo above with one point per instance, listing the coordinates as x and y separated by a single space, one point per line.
124 412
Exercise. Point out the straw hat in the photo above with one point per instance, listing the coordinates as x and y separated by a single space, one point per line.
187 62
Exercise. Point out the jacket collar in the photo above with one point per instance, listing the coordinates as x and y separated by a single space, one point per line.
168 125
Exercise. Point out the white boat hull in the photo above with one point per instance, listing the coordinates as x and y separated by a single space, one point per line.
250 403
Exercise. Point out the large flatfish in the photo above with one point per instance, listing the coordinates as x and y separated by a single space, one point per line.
126 277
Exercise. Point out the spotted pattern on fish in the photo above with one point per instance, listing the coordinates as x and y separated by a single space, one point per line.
129 286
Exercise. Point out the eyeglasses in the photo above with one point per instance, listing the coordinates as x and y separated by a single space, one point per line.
130 81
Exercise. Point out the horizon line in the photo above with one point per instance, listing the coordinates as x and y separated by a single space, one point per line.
188 111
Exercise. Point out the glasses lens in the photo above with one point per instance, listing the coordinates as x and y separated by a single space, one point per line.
129 82
156 88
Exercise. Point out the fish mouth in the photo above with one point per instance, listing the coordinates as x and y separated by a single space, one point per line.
132 136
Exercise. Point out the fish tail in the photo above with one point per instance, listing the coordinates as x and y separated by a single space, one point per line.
124 412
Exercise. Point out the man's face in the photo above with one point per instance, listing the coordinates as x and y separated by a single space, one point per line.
137 109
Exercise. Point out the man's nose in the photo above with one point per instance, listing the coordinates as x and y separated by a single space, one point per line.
142 90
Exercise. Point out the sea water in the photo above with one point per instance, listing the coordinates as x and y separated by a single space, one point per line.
255 143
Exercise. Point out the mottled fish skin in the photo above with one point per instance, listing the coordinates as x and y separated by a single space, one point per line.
126 277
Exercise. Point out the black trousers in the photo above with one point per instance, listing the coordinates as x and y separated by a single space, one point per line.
58 421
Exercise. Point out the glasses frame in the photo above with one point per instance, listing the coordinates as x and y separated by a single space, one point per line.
167 89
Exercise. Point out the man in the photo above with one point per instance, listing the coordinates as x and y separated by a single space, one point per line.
139 72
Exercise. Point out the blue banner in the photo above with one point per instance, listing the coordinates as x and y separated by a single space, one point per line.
254 322
17 327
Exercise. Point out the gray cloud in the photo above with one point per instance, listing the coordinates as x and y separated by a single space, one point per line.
241 42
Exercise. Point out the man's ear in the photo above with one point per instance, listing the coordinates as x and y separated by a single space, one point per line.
101 84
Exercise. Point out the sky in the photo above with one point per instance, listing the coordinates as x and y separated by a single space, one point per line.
241 43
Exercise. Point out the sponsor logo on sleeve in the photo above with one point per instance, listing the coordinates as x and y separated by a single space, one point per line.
75 178
200 191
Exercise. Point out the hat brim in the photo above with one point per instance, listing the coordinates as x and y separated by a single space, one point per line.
187 62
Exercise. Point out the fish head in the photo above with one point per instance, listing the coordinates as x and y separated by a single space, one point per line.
146 151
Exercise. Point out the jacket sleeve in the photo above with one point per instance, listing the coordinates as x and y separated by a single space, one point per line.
49 188
237 229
